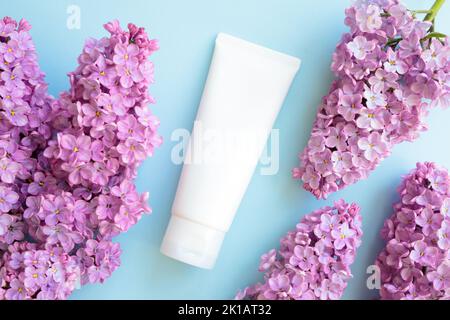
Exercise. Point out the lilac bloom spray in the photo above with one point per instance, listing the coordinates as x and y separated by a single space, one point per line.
415 264
313 262
391 69
67 165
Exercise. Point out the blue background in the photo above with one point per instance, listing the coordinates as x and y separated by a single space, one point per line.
308 29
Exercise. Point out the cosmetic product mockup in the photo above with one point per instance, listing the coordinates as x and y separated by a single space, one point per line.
245 89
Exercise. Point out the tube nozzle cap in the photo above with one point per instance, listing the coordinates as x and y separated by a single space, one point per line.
192 243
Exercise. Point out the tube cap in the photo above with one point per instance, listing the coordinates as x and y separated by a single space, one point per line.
192 243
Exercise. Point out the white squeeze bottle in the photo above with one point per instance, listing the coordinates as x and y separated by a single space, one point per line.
246 87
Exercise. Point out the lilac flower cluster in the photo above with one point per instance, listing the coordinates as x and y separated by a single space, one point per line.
392 69
415 263
67 165
314 260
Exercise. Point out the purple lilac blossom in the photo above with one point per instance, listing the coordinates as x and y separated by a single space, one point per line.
415 264
67 165
314 260
391 70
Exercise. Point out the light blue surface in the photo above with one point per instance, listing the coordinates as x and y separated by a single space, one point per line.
308 29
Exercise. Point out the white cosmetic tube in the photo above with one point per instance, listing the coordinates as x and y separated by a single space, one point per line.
246 87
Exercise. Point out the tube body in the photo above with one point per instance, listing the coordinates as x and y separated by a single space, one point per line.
244 91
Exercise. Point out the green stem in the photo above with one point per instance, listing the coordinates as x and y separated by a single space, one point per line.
434 10
392 42
434 35
420 11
